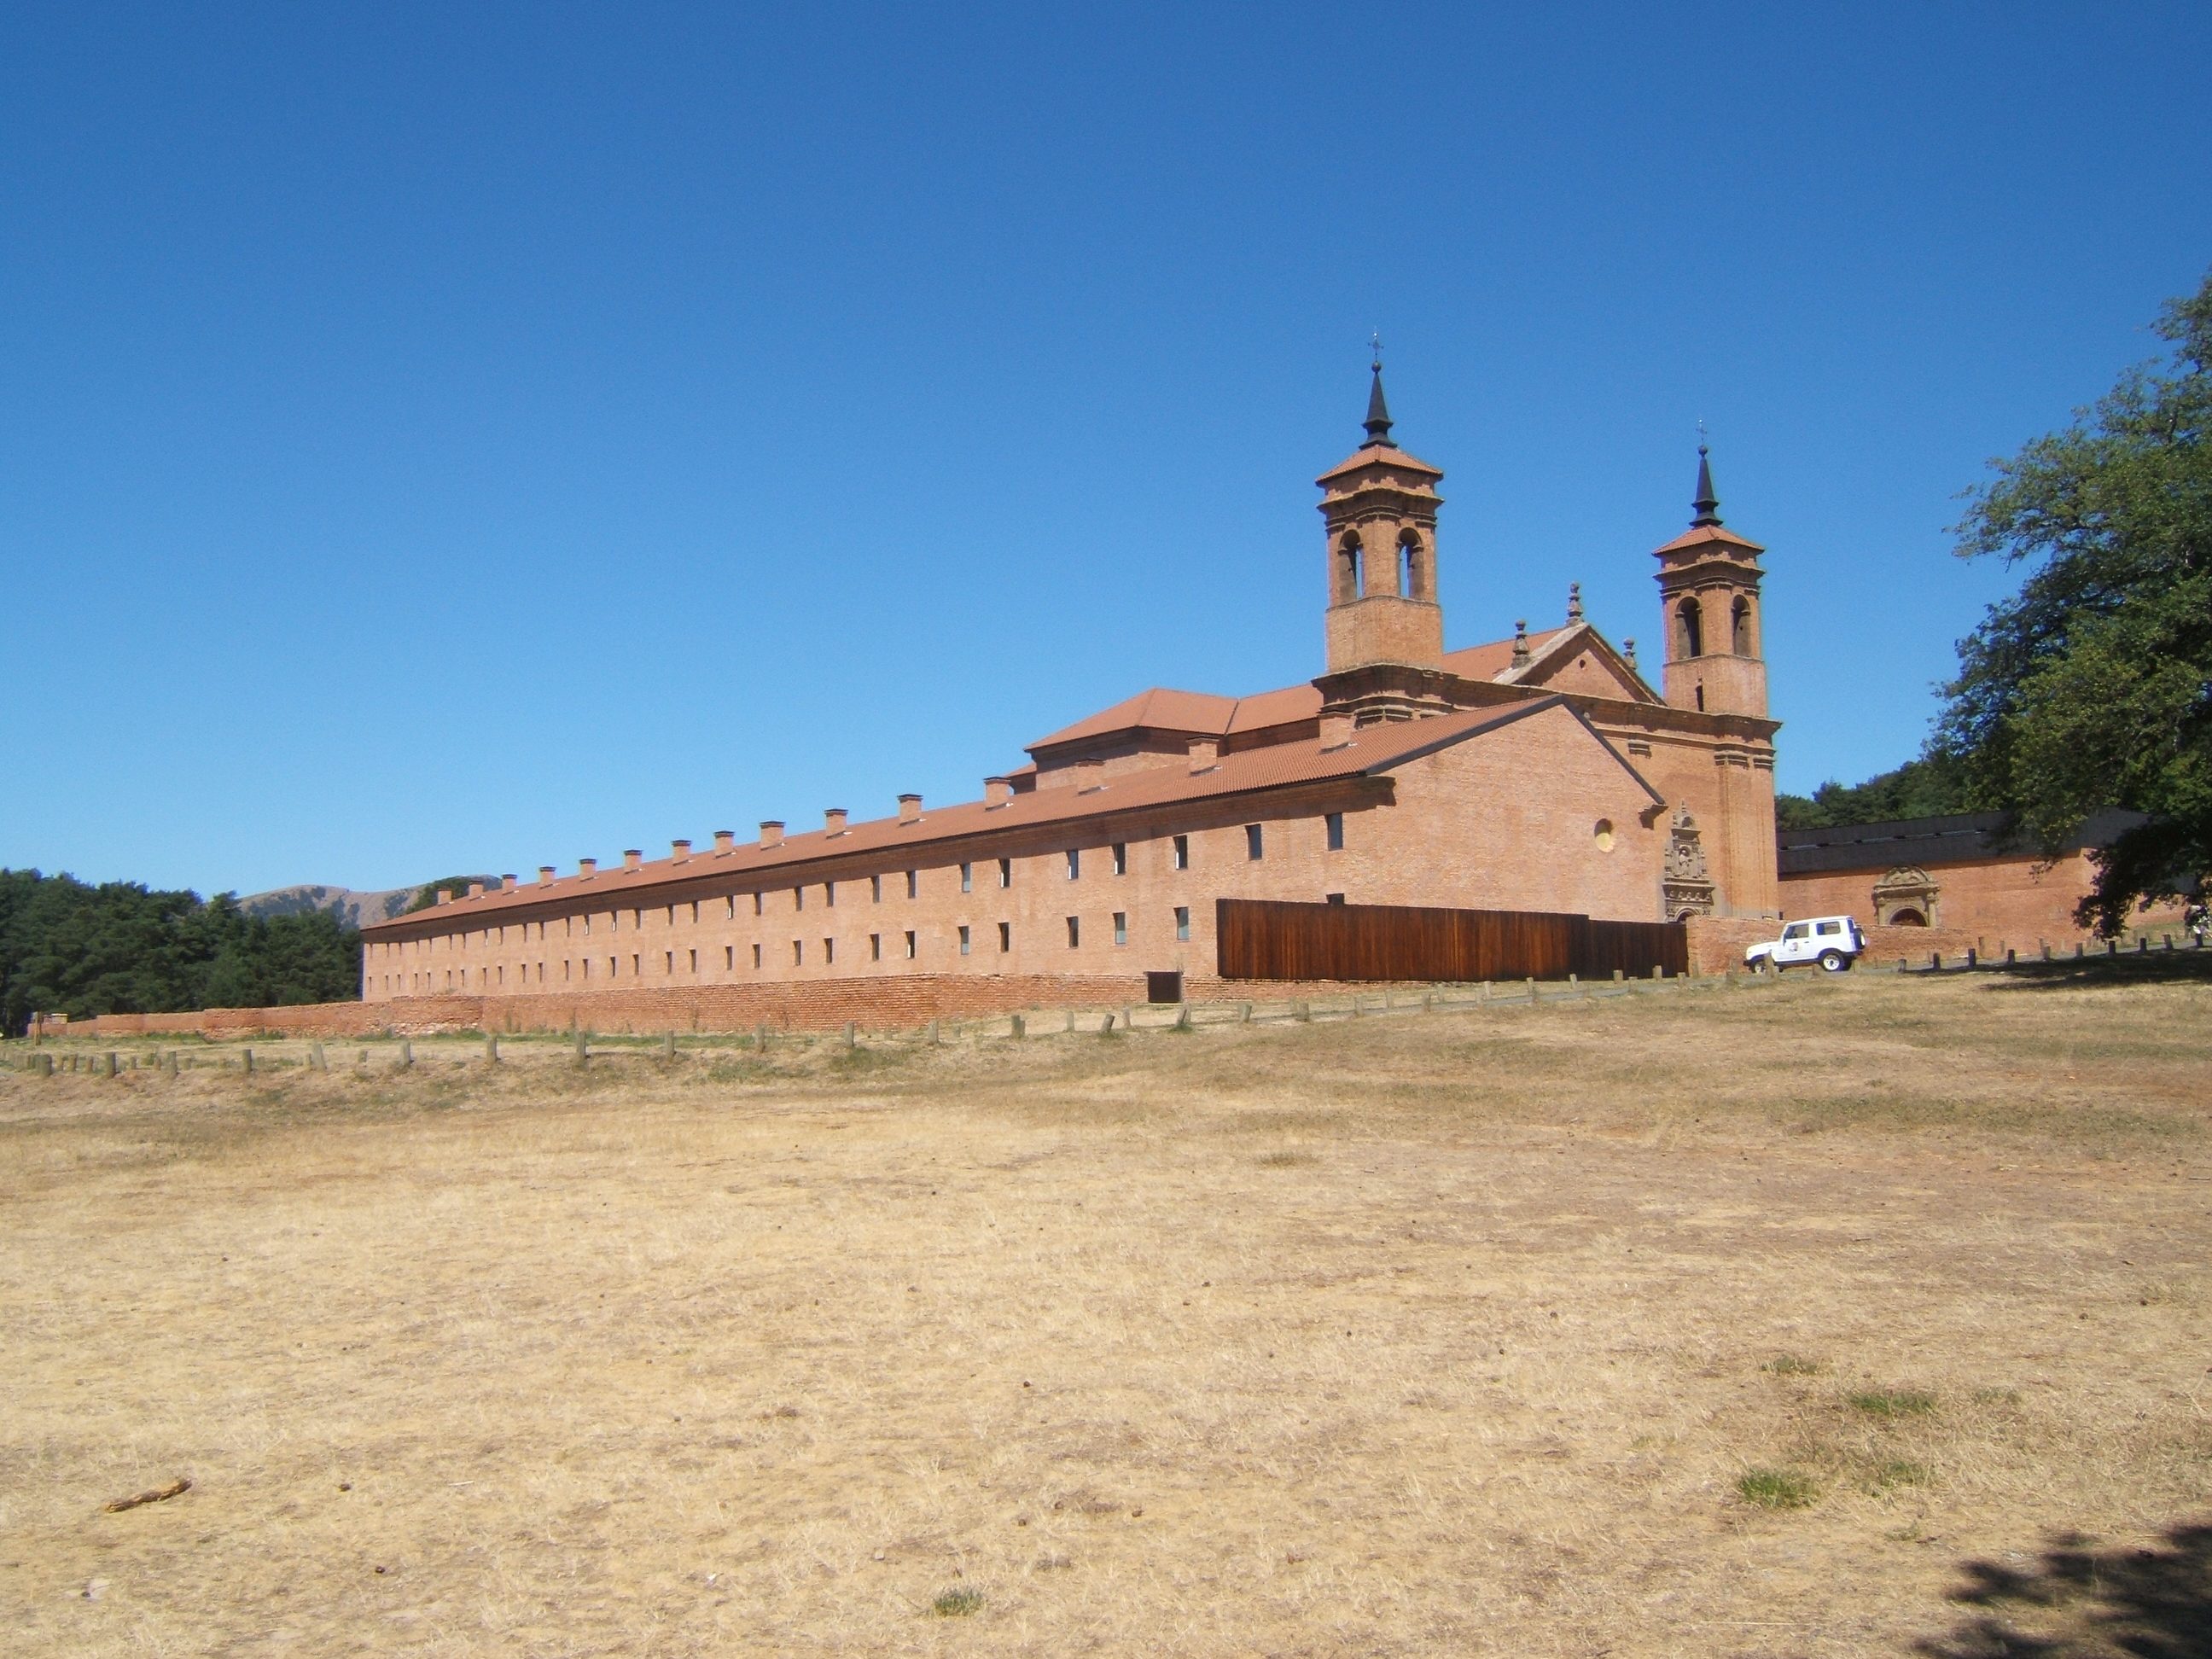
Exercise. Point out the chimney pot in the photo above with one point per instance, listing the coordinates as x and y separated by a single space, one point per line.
679 851
910 809
771 833
445 896
545 875
586 868
724 839
997 792
476 889
833 820
1204 754
632 857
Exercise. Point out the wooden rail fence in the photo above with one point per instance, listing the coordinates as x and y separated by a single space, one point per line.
1267 939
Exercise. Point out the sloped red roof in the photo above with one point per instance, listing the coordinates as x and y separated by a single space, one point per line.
1380 455
1204 715
1372 751
1700 535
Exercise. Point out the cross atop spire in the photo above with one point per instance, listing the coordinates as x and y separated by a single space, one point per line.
1707 504
1378 420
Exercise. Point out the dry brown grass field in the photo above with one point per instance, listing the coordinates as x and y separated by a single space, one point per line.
1812 1318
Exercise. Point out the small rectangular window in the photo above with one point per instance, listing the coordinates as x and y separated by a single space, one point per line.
830 894
875 947
1005 937
828 952
798 898
694 912
875 889
694 962
671 915
967 878
1251 841
797 952
963 941
1334 898
1183 921
730 908
636 966
730 959
1183 852
1120 858
564 969
1120 928
1074 865
1074 933
756 958
913 883
1334 822
669 966
587 925
760 904
909 947
1006 872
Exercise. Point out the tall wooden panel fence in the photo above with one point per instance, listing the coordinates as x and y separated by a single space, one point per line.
1268 938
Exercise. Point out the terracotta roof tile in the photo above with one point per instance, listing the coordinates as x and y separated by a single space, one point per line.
1371 753
1380 455
1699 535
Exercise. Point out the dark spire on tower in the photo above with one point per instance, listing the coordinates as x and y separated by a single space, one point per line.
1708 504
1378 412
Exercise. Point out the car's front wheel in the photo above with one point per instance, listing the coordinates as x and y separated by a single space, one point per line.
1834 962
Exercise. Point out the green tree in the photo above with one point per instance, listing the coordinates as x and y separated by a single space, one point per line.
66 947
2092 686
1926 788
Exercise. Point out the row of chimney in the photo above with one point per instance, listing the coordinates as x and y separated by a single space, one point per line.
1089 775
725 841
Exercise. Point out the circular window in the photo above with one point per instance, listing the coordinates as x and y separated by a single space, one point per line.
1602 834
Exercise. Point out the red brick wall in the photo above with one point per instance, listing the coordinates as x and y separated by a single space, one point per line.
1992 904
1464 829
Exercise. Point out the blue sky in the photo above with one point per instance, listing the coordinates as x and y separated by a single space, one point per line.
460 438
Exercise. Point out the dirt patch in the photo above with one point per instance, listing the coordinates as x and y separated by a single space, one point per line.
1753 1320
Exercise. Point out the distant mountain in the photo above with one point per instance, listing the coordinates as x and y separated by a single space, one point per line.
354 909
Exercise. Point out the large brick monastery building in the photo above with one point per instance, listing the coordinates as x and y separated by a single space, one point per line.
1538 772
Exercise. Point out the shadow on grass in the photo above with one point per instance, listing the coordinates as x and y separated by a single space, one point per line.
2080 1603
2129 967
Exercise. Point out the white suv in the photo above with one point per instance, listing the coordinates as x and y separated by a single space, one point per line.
1834 942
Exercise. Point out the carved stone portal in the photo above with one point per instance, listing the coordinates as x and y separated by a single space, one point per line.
1905 897
1687 889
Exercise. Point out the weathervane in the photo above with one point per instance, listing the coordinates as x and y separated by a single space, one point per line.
1376 341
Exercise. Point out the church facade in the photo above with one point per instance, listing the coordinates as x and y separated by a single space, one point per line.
1541 772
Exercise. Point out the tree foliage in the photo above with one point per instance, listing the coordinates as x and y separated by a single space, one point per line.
66 947
1925 788
2092 686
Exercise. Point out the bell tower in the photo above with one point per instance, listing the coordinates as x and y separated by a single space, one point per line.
1709 581
1385 628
